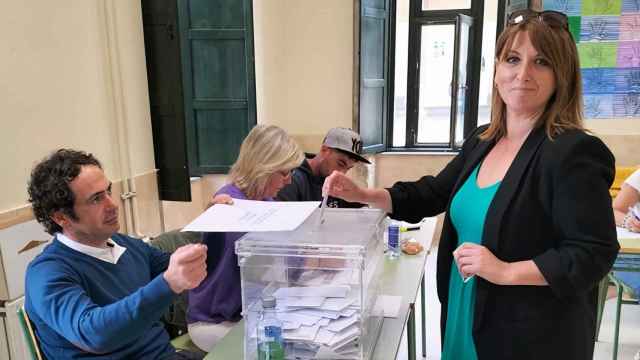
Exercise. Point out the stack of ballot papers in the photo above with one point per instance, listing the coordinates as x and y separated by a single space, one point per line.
319 322
326 280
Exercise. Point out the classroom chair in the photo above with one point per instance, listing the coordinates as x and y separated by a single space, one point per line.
180 342
625 282
175 318
29 334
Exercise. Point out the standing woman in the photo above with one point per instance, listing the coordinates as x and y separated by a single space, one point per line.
267 157
528 222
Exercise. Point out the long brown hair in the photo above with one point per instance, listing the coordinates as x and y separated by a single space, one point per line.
564 109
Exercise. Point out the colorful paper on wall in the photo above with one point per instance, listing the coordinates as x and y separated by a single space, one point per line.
607 35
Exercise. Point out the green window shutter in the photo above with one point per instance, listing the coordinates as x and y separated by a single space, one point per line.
162 53
374 70
218 80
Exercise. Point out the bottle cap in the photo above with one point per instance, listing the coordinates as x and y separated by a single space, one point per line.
409 228
268 302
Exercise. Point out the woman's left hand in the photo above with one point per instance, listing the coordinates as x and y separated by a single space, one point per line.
474 259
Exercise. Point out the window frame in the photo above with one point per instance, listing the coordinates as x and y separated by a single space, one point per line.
418 17
373 129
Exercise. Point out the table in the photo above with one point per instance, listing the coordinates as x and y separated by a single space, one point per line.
629 246
401 277
628 260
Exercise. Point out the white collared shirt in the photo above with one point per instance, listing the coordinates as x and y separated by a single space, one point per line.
110 254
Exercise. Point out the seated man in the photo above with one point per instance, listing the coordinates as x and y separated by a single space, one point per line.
340 151
94 293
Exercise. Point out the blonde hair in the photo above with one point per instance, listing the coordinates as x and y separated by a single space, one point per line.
564 109
265 150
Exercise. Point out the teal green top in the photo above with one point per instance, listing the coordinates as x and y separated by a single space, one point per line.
468 212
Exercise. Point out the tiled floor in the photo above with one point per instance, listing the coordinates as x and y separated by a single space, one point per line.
629 343
629 327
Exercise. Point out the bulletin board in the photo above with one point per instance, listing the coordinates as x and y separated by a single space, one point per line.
607 35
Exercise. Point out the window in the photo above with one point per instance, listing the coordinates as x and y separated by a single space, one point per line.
440 73
201 86
216 39
374 82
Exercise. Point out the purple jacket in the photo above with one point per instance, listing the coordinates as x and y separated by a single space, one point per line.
218 298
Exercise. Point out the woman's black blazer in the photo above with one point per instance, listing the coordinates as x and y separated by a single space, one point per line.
553 206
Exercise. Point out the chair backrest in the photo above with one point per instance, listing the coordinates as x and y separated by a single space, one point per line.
622 173
29 334
175 319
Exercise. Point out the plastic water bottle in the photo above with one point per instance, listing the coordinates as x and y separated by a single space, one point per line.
270 344
393 250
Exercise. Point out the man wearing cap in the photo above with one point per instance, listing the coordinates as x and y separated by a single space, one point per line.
340 151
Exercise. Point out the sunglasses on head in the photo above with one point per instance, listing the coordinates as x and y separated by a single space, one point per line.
549 17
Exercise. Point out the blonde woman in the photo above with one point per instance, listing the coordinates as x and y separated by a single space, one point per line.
263 167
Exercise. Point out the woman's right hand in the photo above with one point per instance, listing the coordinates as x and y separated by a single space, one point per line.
341 186
220 199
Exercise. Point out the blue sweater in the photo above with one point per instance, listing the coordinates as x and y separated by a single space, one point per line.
86 308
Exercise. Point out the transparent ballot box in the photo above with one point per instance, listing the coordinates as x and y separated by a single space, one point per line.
326 281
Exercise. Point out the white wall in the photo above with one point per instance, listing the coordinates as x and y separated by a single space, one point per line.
58 69
304 64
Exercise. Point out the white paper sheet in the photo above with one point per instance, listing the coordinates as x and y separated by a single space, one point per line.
303 333
320 313
348 312
344 336
324 291
347 347
328 353
250 215
303 301
336 304
342 323
626 234
298 318
391 305
324 336
290 325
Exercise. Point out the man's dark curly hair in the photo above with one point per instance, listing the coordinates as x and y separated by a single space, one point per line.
49 189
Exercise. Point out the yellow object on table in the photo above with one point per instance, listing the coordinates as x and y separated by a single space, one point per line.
622 173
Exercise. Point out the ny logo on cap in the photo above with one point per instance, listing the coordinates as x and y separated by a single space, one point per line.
356 145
